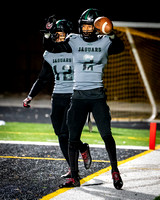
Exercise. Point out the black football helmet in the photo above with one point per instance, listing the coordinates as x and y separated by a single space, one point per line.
64 25
48 24
88 17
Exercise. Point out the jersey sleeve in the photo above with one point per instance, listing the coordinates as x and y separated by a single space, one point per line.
71 37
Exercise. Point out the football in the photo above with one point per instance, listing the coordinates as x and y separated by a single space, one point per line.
103 25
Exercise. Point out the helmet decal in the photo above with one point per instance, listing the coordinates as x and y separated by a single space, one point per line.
49 25
86 15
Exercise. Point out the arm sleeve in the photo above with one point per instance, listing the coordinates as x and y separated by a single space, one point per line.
45 75
56 47
116 46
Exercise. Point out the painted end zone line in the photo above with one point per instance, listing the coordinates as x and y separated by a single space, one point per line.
88 178
57 144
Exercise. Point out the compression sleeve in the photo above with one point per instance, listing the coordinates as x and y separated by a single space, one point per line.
116 46
45 75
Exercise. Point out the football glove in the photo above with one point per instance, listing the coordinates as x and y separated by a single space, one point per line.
111 35
26 102
49 25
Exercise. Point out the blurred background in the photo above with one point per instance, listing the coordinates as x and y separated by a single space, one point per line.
22 56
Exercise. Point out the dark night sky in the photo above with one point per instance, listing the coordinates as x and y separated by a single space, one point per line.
28 15
21 22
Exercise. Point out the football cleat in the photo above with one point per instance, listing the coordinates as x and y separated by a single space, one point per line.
71 182
67 175
87 159
117 181
26 102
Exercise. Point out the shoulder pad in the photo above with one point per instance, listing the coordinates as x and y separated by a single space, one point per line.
102 36
45 53
72 36
99 36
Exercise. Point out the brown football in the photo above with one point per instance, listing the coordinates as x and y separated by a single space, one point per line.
103 25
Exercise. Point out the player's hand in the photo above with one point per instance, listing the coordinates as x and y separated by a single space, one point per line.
26 102
51 22
111 35
48 25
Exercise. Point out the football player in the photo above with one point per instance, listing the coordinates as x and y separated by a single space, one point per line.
90 54
60 64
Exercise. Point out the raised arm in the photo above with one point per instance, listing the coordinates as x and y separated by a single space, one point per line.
117 45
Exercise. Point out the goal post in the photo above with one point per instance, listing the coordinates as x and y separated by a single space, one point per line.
143 75
131 78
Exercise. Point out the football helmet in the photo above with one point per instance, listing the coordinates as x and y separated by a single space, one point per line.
64 25
61 29
88 17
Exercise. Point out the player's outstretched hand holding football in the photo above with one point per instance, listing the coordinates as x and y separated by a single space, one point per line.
103 25
26 102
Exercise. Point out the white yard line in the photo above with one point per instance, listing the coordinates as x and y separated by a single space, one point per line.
57 144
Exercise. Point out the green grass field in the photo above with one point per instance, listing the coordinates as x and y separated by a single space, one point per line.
16 131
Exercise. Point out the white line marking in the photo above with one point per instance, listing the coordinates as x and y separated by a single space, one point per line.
57 144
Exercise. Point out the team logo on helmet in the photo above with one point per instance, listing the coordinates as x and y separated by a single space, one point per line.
49 25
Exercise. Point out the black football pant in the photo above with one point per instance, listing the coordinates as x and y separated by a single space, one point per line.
60 105
76 119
